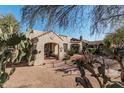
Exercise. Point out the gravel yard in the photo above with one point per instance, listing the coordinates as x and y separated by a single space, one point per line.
44 77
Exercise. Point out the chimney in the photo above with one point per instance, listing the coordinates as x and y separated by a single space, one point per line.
80 38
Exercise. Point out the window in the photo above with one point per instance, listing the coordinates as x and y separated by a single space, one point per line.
65 47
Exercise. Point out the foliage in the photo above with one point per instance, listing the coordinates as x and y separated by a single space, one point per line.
87 64
101 17
66 57
13 47
107 42
71 52
117 54
12 53
8 23
115 38
92 50
83 77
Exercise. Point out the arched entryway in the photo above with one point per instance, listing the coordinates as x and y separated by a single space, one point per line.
51 51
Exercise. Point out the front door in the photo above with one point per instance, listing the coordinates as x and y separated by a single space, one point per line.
50 51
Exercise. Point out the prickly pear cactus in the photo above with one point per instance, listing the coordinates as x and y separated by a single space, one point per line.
4 76
105 82
11 51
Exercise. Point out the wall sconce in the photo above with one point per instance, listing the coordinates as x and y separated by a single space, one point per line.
39 52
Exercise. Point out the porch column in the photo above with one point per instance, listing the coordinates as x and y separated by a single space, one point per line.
61 51
40 54
69 46
80 47
56 49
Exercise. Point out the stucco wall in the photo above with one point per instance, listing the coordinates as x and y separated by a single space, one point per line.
49 38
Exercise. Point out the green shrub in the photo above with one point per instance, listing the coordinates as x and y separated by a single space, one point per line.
71 52
92 50
66 57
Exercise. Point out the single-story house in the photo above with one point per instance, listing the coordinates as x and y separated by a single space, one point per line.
94 44
51 45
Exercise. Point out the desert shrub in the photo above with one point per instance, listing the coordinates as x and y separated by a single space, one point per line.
92 50
66 57
71 52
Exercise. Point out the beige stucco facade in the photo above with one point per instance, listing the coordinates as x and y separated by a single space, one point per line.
45 41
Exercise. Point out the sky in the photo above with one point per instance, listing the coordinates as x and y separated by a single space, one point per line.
16 11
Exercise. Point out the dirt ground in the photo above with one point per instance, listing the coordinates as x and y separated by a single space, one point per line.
43 77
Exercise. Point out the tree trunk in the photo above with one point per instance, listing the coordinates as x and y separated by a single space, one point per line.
122 69
122 74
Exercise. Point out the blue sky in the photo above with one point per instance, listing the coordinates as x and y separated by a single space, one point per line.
16 11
